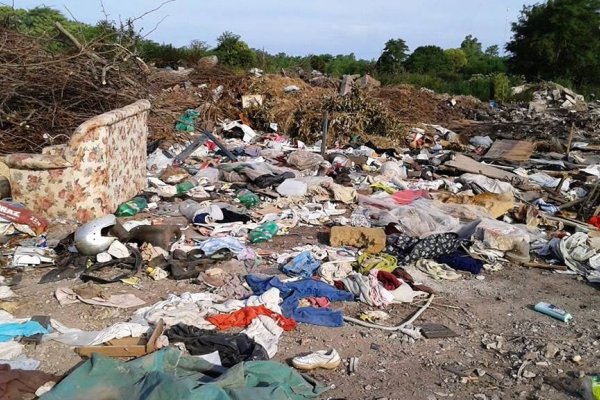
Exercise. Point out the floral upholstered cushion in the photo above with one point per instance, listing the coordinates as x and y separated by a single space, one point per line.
35 161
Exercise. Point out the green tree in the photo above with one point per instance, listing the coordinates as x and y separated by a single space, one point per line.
558 39
428 59
393 55
233 51
471 46
493 51
319 62
501 86
457 58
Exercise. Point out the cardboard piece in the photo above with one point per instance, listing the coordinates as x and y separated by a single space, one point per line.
467 164
126 347
511 150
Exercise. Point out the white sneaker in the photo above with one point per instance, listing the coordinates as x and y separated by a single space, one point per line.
319 359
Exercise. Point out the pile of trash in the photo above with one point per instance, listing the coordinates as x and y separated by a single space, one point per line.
210 207
550 95
228 210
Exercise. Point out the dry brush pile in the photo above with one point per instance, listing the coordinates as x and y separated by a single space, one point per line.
46 94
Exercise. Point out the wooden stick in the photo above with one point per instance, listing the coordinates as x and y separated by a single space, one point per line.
544 266
571 133
79 46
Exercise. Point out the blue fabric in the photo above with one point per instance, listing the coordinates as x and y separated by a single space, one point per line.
304 265
462 262
13 329
292 292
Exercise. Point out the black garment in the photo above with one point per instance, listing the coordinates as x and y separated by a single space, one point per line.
269 180
232 216
408 249
232 348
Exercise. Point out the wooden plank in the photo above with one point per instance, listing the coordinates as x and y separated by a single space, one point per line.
123 349
112 351
467 164
511 150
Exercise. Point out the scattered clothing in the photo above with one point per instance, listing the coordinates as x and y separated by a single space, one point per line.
409 249
462 262
319 302
292 292
266 332
383 262
17 384
213 245
388 280
242 318
304 265
13 329
232 348
67 296
437 271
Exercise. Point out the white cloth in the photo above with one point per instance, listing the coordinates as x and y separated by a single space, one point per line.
270 299
10 350
77 337
178 309
264 331
67 296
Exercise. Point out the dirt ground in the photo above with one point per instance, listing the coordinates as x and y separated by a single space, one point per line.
497 327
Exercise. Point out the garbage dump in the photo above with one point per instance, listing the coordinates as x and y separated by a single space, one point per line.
264 236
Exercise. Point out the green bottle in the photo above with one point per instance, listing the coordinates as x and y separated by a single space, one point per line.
131 207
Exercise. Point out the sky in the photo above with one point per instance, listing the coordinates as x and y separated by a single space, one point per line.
305 27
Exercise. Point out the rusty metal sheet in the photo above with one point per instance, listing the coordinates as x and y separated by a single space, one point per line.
511 150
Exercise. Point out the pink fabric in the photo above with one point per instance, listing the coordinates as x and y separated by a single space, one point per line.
405 197
320 302
378 294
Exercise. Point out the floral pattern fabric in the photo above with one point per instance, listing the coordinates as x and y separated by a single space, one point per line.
106 165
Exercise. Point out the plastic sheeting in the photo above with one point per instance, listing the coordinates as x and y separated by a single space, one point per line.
168 374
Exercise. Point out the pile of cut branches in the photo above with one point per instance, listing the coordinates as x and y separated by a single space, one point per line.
45 94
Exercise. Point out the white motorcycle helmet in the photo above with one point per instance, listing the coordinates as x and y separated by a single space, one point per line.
88 237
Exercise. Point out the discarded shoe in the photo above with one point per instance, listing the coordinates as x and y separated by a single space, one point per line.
319 359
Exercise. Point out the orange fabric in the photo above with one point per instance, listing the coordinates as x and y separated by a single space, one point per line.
242 318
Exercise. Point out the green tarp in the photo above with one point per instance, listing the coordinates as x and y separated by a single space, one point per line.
169 374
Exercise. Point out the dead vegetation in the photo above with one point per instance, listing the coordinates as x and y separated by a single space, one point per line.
45 94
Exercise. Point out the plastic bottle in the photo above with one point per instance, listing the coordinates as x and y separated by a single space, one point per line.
131 207
553 311
263 233
247 198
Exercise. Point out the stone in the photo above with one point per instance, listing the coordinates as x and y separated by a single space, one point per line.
371 239
529 374
368 82
551 350
576 359
118 250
